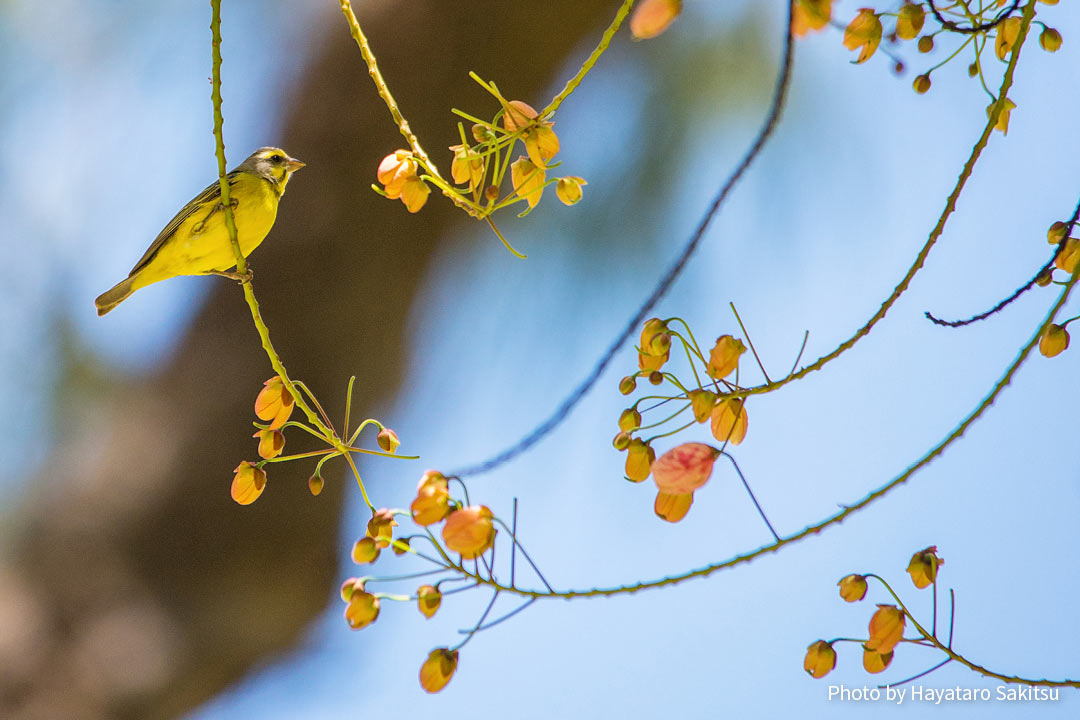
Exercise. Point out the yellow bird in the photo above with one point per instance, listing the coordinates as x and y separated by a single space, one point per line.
196 242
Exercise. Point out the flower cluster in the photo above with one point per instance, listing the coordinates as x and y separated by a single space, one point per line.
994 24
274 406
887 624
711 398
479 169
1055 338
464 551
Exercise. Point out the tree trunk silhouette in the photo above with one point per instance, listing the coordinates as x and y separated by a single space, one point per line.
135 588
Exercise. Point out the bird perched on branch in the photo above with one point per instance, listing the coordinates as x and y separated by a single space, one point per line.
196 241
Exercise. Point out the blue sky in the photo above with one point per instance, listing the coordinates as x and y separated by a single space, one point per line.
818 234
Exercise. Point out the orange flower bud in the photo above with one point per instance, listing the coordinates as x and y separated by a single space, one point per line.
684 468
672 508
1056 233
621 441
1069 257
429 599
437 670
863 32
248 483
630 419
518 115
381 527
271 443
569 189
652 326
365 551
1002 123
541 144
702 402
924 566
528 180
432 501
820 659
388 440
724 357
1054 340
469 531
315 484
627 385
362 610
467 166
414 193
922 84
656 377
886 629
394 170
874 662
973 70
926 43
274 403
482 133
1007 33
729 421
810 15
852 587
909 21
652 17
1050 40
651 363
639 460
1045 277
349 587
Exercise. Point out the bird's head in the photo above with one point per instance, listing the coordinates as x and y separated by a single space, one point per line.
273 164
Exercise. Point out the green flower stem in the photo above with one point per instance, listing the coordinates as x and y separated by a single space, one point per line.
602 46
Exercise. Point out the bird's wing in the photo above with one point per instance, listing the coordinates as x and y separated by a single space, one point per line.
211 194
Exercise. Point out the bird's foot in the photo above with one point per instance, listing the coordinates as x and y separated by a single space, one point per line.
238 277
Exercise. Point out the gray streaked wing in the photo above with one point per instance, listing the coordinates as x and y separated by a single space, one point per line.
211 194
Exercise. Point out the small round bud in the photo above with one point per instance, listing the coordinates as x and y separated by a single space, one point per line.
248 483
1054 340
428 598
923 567
1056 233
660 344
380 527
365 551
656 377
437 670
349 587
363 609
315 484
630 419
492 192
926 43
1045 277
852 587
973 70
627 385
482 133
621 441
388 440
820 659
921 84
1050 40
702 402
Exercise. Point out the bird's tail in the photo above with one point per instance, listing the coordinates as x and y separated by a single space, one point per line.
111 298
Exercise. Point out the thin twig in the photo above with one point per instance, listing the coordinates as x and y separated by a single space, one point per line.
751 494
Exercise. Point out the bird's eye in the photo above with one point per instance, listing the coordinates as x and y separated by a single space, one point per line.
276 158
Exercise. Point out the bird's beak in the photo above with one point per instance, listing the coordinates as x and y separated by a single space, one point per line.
293 164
